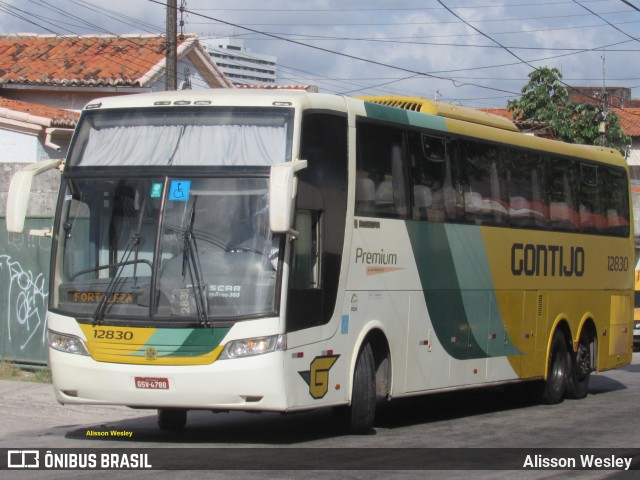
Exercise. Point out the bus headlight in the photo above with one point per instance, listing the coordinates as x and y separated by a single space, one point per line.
253 346
66 343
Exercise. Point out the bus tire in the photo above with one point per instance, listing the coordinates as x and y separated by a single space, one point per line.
553 388
362 411
172 419
579 369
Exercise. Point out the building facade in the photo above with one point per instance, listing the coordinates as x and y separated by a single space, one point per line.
240 64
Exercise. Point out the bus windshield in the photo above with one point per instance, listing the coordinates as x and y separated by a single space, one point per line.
197 249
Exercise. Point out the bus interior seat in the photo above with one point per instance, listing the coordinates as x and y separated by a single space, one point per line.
525 213
562 215
384 197
422 199
365 194
586 217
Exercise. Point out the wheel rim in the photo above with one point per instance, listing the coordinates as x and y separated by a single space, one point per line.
583 362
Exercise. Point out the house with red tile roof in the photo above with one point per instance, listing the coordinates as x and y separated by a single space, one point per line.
538 129
45 80
67 72
629 121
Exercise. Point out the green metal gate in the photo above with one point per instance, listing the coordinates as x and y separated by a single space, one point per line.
24 293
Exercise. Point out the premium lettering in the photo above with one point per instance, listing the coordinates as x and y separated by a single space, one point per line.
375 258
534 260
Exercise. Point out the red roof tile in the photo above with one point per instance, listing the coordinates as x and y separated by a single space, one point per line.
59 117
629 118
501 112
79 60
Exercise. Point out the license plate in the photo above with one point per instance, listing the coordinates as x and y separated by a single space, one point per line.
152 383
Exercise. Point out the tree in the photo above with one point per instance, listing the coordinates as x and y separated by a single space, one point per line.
545 99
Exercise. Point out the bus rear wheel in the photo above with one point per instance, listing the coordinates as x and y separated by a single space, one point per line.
579 369
173 419
553 388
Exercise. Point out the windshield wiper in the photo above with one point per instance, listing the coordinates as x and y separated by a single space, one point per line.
98 315
133 245
191 262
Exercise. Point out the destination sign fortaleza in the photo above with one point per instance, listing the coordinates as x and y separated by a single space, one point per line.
97 297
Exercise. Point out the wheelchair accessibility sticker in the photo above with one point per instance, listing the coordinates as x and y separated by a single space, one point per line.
179 190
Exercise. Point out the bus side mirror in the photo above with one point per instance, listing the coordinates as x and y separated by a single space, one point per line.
19 192
282 195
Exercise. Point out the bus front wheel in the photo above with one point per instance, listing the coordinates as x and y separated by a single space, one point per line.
554 387
173 419
360 415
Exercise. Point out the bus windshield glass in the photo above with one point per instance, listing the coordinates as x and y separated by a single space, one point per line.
181 136
192 249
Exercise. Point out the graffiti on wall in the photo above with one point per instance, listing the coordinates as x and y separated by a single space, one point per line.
26 302
24 292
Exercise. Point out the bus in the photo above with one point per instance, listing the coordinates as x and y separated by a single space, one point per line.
282 251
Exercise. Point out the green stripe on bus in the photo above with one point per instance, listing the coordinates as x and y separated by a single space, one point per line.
406 117
459 293
201 341
177 342
478 290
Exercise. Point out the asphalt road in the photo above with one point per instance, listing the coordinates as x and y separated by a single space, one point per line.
495 418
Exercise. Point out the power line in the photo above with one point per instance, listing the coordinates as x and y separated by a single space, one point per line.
342 54
300 36
509 51
630 5
51 26
609 23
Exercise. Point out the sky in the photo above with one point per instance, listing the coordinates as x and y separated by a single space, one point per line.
476 53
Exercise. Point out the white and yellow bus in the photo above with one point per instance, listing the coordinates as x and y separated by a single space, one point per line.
283 251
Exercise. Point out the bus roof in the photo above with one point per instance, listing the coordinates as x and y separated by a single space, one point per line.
465 121
442 109
220 97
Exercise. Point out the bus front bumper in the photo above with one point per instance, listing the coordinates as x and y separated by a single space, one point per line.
254 383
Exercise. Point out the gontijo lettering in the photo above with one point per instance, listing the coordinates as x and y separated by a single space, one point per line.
547 260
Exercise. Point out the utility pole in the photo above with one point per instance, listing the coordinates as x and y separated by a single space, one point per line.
604 100
171 76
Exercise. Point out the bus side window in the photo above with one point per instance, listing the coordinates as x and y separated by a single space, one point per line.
615 200
592 217
563 214
526 203
429 158
484 186
381 163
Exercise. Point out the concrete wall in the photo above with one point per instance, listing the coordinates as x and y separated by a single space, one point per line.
24 260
